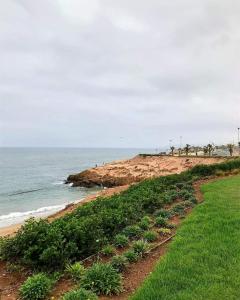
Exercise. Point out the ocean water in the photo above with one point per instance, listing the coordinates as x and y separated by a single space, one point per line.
32 179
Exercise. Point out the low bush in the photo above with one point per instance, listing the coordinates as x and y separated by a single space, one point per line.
36 287
102 279
145 223
108 250
150 236
164 231
178 209
119 263
80 294
75 271
161 222
166 214
170 226
192 199
188 203
185 194
133 231
121 240
14 268
131 256
140 247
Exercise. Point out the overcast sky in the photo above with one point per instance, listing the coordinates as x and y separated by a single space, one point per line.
122 73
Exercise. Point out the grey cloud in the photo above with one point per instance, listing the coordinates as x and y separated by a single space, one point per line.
147 71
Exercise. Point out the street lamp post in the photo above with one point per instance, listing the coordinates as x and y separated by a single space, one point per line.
238 137
238 140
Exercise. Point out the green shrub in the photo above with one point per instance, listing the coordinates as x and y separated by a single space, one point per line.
119 263
150 236
179 185
163 213
145 223
185 194
80 294
164 231
178 209
147 219
193 200
188 203
36 287
108 250
131 256
161 222
12 267
140 247
102 279
75 271
121 240
170 226
133 231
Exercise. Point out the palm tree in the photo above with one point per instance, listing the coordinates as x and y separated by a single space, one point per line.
210 149
205 150
230 149
187 149
172 150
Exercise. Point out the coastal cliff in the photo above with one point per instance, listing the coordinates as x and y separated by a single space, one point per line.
133 170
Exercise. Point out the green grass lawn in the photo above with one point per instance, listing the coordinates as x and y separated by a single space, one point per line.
203 261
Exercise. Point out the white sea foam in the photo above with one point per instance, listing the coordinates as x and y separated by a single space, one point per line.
59 182
17 217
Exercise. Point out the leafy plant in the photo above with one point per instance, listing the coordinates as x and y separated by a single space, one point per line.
36 287
119 263
131 256
121 240
164 231
140 247
102 279
178 209
80 294
133 231
75 271
150 236
161 222
108 250
185 194
145 223
166 214
12 267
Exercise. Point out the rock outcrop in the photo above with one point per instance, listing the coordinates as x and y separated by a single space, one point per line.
136 169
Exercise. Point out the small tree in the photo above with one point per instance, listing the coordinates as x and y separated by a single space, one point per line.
172 150
230 149
210 149
187 149
205 150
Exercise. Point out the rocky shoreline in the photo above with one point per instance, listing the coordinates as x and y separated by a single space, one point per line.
134 170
